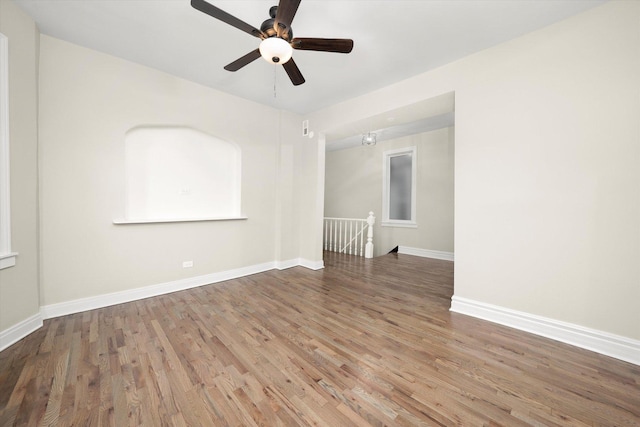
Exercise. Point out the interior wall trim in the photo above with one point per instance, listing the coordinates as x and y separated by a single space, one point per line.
311 265
100 301
7 256
426 253
299 262
616 346
283 265
20 330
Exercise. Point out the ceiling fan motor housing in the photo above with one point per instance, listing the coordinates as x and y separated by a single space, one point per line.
268 26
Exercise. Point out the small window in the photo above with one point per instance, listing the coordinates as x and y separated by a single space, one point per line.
399 188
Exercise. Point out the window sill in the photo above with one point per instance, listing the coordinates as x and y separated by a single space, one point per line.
399 224
8 260
160 221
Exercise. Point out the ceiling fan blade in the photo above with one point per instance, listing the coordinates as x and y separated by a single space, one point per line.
223 16
286 11
323 45
294 72
241 62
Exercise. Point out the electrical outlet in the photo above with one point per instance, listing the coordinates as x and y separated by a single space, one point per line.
187 264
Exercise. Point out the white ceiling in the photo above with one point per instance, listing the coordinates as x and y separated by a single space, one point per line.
393 39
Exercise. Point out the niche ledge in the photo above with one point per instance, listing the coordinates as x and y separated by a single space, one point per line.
122 221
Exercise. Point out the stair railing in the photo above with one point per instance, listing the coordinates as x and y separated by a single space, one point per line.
347 235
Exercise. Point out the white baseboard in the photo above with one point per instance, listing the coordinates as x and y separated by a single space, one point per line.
425 253
312 265
20 330
300 262
290 263
91 303
601 342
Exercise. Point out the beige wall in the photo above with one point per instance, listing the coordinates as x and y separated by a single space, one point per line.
88 100
547 188
353 187
287 225
19 284
310 188
547 183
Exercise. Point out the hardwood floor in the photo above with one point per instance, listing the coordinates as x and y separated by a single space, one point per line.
362 342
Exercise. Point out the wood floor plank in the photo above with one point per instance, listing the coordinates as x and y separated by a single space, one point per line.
359 343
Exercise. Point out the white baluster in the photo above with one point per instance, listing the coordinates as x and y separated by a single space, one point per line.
345 245
331 235
345 241
334 227
325 234
328 234
350 237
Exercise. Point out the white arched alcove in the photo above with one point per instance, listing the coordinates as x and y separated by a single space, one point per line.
180 174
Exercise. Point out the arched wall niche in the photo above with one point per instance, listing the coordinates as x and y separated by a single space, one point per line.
176 173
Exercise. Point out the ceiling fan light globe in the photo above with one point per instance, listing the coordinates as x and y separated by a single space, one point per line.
275 50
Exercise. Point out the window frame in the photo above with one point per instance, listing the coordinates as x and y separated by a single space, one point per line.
7 256
386 188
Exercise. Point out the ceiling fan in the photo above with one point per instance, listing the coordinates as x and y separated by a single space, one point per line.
277 38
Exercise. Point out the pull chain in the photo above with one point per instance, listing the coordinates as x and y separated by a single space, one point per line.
274 82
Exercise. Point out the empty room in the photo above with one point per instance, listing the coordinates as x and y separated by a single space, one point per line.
332 213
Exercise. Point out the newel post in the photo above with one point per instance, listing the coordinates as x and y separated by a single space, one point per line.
368 249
